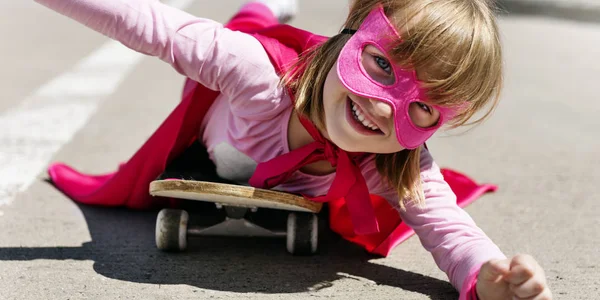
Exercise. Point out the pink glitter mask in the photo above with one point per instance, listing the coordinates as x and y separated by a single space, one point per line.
398 91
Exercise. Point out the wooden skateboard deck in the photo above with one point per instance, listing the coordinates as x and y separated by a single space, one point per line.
232 195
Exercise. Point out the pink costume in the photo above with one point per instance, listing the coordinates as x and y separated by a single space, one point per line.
248 121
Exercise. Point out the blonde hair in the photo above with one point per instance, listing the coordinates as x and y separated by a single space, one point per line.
454 47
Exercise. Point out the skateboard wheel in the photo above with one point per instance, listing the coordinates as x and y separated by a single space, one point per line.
171 230
302 233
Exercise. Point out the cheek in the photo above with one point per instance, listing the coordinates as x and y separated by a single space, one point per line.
392 144
331 86
332 79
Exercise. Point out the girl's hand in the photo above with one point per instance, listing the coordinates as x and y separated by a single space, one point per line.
518 278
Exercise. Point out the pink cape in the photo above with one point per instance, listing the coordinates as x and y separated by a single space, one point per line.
128 186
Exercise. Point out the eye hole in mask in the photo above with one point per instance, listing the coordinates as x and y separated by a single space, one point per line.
377 66
423 115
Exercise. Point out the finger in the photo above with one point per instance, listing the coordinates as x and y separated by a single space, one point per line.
500 266
523 260
494 268
518 275
522 268
530 288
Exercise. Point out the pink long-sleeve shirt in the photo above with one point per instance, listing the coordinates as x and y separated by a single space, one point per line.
248 121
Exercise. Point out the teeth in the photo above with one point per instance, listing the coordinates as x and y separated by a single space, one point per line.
361 118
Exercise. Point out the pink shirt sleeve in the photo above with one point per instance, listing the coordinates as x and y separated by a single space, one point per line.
200 49
458 246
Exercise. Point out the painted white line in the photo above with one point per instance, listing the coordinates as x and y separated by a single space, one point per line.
36 129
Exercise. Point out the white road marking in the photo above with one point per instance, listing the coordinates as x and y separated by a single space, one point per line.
36 129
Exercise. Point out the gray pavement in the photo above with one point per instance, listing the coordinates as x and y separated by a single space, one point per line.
579 10
541 147
560 3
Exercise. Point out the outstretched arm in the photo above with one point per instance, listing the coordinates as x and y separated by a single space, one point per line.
458 246
200 49
473 263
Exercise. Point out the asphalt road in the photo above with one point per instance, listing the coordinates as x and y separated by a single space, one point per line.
67 98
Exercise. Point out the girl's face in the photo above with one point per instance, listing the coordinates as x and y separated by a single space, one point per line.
358 124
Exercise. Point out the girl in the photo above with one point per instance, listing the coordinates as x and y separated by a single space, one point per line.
347 118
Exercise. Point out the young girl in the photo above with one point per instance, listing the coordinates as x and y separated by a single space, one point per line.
347 119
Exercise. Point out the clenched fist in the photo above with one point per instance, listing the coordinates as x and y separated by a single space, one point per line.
518 278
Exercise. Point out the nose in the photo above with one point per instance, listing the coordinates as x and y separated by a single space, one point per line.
381 108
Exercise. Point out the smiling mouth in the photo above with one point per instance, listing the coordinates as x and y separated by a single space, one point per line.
360 121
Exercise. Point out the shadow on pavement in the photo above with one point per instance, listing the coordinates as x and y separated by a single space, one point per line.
123 248
572 12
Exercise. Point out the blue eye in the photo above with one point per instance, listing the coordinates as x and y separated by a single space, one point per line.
424 107
383 64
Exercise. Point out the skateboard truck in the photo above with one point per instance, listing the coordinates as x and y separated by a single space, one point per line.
235 225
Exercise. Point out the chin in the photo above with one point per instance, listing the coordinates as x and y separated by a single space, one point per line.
365 145
346 142
351 148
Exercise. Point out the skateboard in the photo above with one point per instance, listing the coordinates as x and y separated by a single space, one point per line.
192 176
